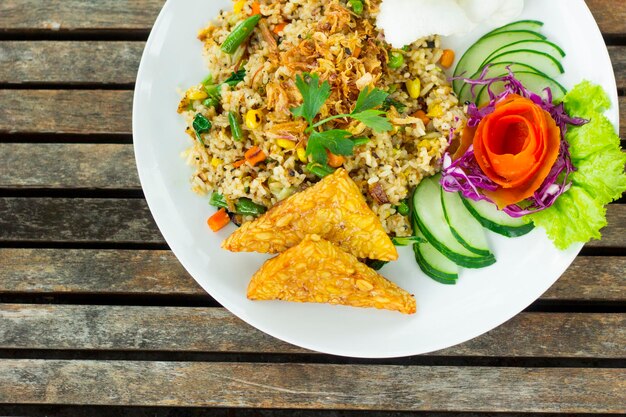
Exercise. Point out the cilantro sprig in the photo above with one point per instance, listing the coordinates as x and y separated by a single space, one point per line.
339 142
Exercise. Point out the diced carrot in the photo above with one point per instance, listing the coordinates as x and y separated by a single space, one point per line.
218 220
255 155
335 161
447 58
239 163
279 28
420 114
256 8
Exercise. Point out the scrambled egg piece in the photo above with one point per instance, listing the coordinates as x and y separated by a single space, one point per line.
316 271
333 209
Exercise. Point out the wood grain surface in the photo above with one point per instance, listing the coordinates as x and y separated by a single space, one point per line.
74 62
101 62
127 272
68 15
93 112
60 165
130 221
199 329
564 390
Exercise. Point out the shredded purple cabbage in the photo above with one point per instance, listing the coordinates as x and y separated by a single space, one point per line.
465 176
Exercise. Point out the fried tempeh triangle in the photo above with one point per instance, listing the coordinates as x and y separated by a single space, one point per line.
316 271
333 209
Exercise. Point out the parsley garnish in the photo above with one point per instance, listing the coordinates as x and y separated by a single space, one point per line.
339 142
235 78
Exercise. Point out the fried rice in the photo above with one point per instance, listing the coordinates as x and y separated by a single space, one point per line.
347 50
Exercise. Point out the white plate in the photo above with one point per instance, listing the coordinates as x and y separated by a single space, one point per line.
447 315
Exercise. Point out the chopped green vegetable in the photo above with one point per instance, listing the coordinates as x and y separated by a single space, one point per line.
389 102
407 241
218 200
210 102
235 78
235 127
579 214
403 208
375 264
201 125
239 34
208 80
335 141
396 60
247 207
357 6
319 169
314 95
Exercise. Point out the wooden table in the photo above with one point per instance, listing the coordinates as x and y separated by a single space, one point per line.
97 317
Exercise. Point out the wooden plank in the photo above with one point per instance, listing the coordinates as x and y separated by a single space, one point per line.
610 15
78 15
85 111
311 386
77 220
140 15
85 62
130 221
124 272
194 329
93 111
92 62
76 166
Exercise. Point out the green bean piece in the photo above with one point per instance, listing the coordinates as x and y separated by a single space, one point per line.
357 6
235 127
208 80
201 125
319 169
247 207
210 102
218 200
239 34
396 60
403 208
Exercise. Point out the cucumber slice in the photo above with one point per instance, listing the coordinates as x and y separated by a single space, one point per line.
544 46
496 220
434 264
430 220
477 53
543 62
532 25
464 227
533 81
495 70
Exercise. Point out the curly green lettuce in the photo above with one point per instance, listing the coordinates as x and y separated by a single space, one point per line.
580 213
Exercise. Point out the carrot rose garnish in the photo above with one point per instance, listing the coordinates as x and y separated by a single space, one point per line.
516 147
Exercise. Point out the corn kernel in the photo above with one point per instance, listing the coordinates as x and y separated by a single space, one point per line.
197 95
216 162
302 155
286 143
435 111
238 7
414 88
253 119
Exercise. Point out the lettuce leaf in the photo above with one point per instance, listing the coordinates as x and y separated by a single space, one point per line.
574 217
586 99
592 137
602 174
580 213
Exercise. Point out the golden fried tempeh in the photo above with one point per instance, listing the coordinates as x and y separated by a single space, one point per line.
333 208
316 271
